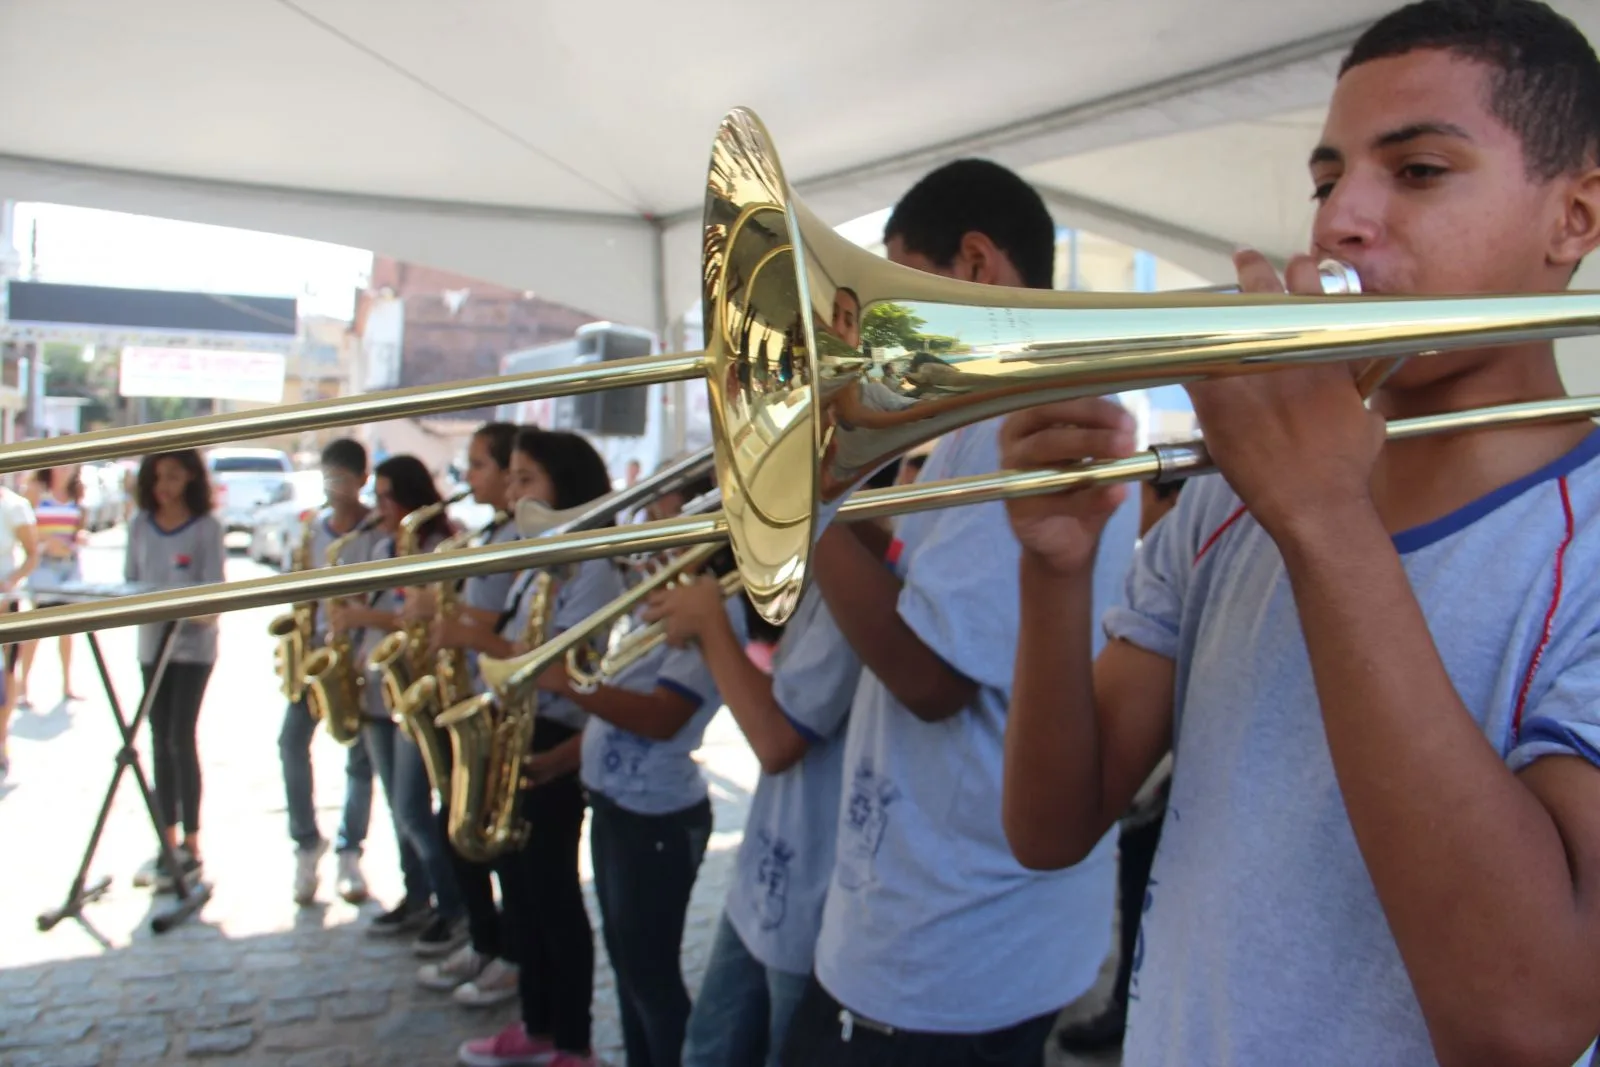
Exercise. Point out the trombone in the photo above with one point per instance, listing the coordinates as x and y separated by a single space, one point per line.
509 678
801 414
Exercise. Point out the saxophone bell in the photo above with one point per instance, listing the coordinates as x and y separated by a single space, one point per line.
295 630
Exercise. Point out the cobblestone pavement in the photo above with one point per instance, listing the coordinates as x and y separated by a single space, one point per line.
253 979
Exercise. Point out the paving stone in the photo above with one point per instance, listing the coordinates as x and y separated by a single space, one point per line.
231 994
286 986
381 982
294 1039
21 998
419 1027
142 1051
160 998
211 961
279 1012
216 1016
43 1036
270 961
15 1016
339 1056
223 1042
128 1028
19 978
83 993
71 1015
59 1056
357 1006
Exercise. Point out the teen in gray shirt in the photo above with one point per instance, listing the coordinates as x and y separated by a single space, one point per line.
174 540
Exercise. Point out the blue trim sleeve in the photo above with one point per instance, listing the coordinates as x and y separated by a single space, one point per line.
810 736
682 690
1543 736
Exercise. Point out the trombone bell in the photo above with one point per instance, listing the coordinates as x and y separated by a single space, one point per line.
825 362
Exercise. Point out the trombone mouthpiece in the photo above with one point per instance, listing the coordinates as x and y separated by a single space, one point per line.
1338 278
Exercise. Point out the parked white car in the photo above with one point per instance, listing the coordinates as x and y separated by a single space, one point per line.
244 479
280 523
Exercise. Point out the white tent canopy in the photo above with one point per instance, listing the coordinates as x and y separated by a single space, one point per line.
562 148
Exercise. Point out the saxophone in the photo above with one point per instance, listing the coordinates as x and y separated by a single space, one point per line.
451 681
490 735
401 660
334 683
295 629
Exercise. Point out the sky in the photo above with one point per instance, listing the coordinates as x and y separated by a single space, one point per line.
91 247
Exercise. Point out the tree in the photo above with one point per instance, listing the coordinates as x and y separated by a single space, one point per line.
891 325
66 373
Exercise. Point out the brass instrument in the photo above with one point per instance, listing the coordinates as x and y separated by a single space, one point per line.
490 735
588 671
401 659
514 678
296 628
334 683
451 680
801 416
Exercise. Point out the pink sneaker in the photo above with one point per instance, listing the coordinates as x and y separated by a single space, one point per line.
511 1047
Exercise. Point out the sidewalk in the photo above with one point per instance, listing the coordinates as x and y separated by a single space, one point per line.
253 980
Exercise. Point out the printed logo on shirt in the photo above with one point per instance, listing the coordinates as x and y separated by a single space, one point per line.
1149 902
772 876
624 755
892 557
865 822
182 562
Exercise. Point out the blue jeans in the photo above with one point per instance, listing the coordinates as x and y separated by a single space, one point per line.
424 862
744 1007
294 748
644 870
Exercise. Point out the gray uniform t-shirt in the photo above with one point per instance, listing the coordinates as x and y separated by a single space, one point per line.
190 555
488 592
931 923
594 585
657 777
356 550
1263 941
786 859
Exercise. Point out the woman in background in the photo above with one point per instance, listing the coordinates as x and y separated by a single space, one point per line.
174 540
57 498
17 530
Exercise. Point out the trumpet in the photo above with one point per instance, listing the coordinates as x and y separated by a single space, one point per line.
633 647
588 670
517 677
801 416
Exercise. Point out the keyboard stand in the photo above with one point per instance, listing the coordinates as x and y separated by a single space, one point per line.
191 897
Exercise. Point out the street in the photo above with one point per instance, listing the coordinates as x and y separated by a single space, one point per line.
253 979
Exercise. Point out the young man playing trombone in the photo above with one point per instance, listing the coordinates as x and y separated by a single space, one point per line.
936 946
1379 663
